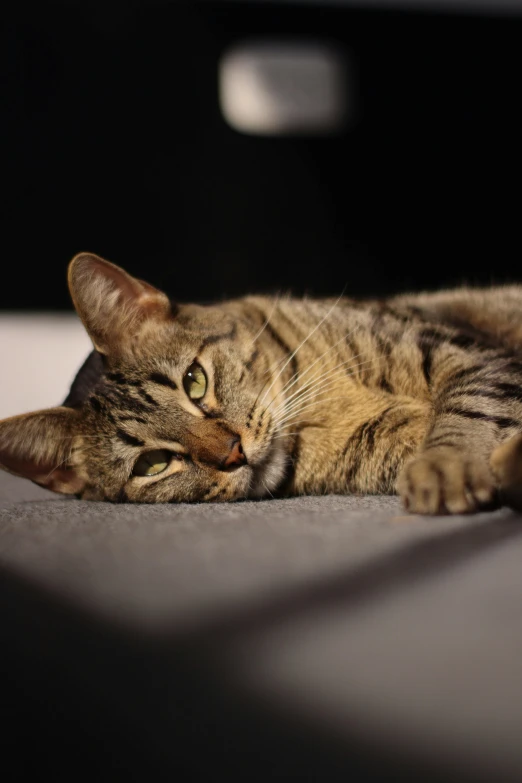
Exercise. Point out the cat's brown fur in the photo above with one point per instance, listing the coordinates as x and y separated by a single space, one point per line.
421 392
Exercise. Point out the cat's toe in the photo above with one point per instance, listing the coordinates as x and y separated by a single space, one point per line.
446 481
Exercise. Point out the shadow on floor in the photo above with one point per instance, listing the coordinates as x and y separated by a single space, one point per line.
84 699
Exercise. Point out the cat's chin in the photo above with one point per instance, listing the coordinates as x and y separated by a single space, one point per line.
268 474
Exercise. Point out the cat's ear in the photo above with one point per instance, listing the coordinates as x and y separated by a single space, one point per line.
113 305
37 446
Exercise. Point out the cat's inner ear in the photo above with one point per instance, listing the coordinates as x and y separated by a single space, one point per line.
37 446
113 305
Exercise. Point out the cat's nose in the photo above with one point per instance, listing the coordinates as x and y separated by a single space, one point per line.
236 457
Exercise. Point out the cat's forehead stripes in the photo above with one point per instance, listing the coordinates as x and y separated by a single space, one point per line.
163 380
109 397
219 337
130 440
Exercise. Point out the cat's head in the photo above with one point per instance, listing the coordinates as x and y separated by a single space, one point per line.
176 414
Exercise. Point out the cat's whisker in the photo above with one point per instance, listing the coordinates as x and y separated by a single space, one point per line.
294 414
271 369
334 377
310 334
63 462
316 381
292 418
310 405
286 360
296 405
320 373
314 423
267 489
83 437
296 377
300 374
272 311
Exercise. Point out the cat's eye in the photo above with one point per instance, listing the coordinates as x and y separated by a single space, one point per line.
151 463
195 382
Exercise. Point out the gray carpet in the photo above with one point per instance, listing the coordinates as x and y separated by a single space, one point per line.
312 638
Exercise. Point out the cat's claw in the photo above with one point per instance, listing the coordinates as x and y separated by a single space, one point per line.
446 481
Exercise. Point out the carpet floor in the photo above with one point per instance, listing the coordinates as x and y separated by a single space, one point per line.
312 638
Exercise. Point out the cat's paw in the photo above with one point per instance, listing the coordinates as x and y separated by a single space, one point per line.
446 481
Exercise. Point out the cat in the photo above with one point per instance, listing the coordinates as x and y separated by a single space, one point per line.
272 396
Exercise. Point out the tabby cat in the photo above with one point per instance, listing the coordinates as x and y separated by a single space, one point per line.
262 396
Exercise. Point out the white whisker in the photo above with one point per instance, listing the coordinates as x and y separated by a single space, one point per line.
315 381
296 377
260 332
267 489
63 462
285 365
310 405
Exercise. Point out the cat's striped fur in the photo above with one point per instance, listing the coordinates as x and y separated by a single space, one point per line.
422 393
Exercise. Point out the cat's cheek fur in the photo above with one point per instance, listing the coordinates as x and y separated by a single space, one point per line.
270 473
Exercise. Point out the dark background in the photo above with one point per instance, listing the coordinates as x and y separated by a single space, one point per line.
113 142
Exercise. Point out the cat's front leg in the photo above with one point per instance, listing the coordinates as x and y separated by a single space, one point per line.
477 405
